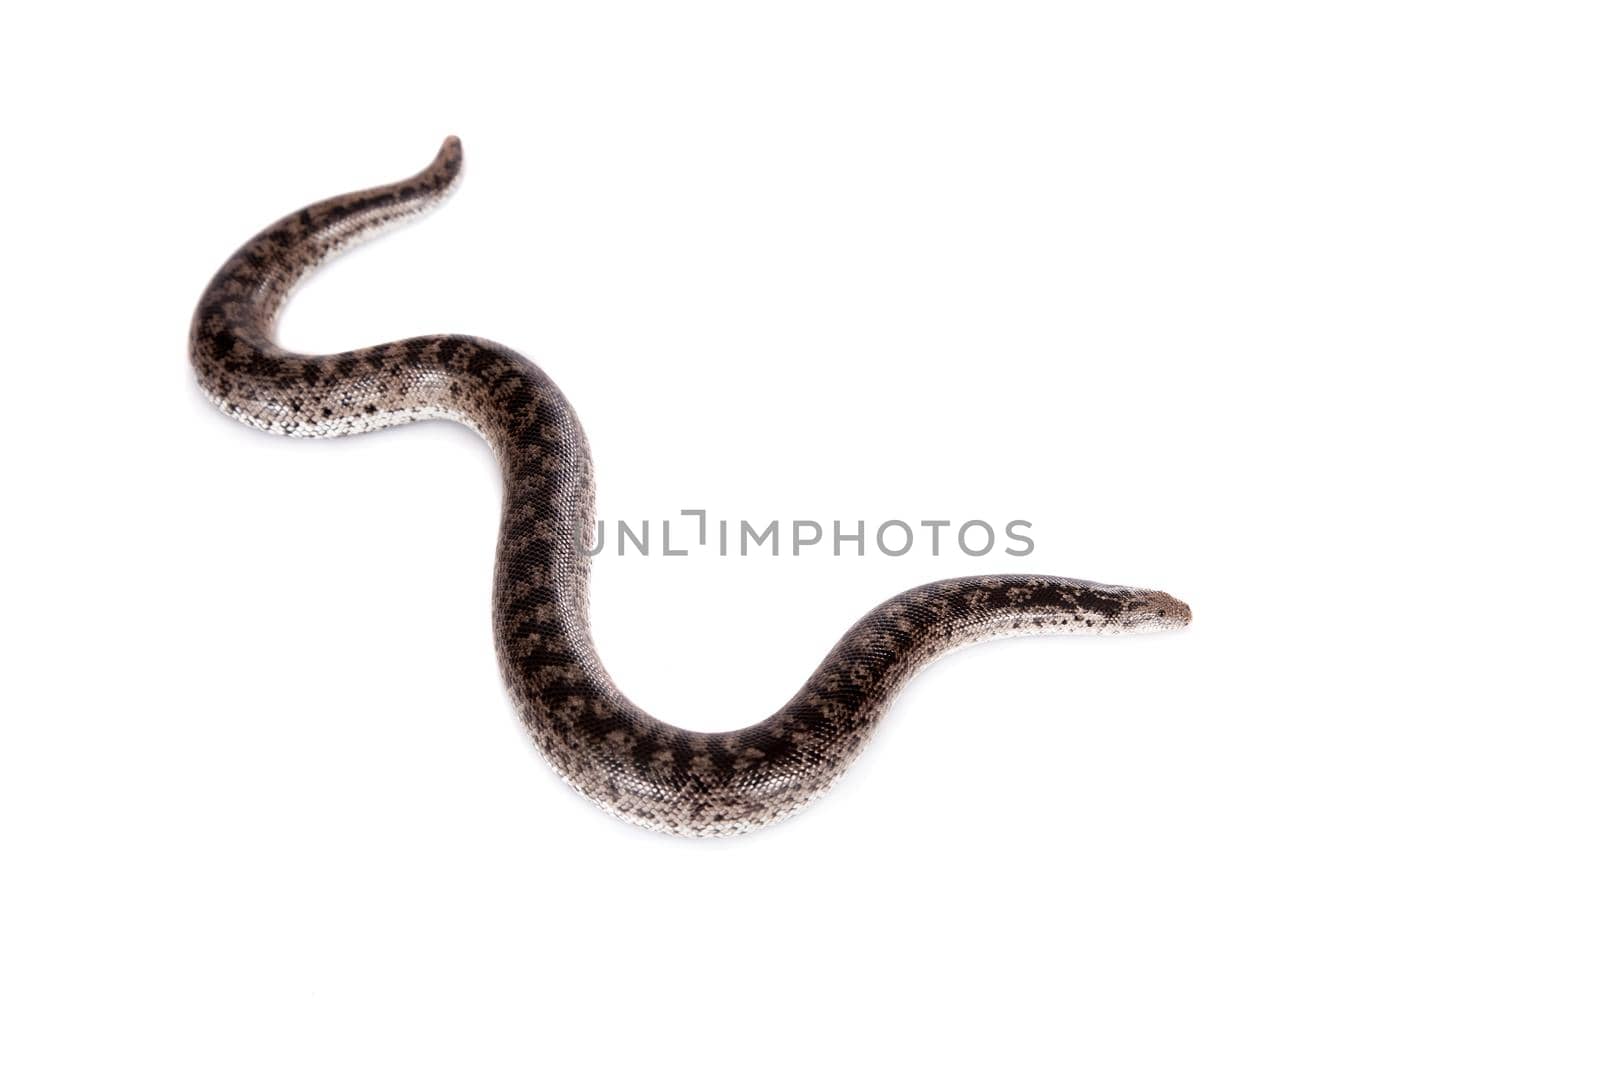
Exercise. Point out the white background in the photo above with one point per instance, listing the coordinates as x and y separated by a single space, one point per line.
1286 309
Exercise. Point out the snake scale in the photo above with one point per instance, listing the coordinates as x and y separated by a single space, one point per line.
633 765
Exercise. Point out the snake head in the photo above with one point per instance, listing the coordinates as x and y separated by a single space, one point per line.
1154 610
1123 609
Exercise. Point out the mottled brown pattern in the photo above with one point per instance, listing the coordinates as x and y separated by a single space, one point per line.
637 767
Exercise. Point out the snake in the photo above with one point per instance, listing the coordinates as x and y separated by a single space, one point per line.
639 768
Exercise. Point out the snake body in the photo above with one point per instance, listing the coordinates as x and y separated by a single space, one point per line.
639 768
